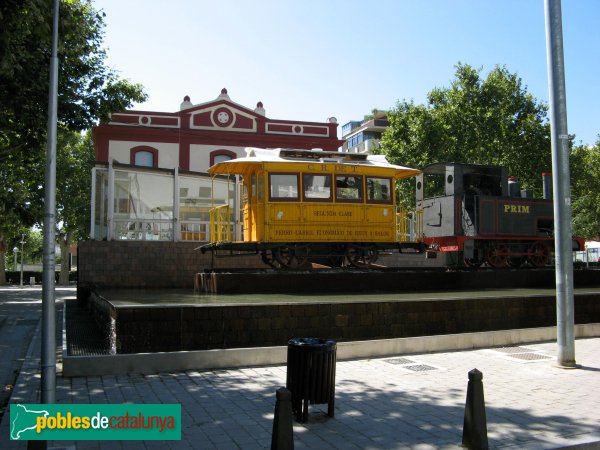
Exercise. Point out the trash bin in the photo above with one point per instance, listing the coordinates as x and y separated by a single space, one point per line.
311 374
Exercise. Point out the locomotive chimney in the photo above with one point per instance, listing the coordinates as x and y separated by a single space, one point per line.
514 187
547 184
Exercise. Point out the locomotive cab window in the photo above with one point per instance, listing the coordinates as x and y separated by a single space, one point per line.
283 186
434 185
316 187
379 190
348 188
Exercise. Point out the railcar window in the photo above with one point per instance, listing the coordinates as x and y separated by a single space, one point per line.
379 190
283 186
244 193
261 187
253 180
348 188
316 187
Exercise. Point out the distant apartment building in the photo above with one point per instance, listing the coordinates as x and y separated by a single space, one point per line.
364 136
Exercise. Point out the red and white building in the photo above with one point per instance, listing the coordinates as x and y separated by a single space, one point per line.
197 136
150 180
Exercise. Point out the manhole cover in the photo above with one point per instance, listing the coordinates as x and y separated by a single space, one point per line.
419 367
512 349
530 356
399 361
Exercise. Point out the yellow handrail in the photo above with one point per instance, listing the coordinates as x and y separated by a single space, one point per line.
409 226
220 227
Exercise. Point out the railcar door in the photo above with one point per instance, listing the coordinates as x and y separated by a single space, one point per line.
253 206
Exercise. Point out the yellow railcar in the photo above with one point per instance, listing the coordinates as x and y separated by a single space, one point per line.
309 205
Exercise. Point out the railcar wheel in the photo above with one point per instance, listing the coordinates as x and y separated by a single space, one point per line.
539 254
497 256
268 258
361 256
337 257
293 257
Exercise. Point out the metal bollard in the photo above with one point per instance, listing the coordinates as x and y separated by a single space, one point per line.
475 423
283 428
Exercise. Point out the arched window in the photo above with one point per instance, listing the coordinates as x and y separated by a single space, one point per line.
144 157
218 156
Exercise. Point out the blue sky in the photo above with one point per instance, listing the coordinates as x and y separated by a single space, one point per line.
310 60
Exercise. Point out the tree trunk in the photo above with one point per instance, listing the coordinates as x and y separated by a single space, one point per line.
65 246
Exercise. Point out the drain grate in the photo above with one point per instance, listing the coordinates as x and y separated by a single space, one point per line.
399 361
530 356
513 350
84 337
420 367
522 354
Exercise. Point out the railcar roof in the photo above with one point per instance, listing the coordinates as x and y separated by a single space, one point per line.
260 155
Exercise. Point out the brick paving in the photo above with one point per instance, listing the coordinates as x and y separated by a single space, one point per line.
381 403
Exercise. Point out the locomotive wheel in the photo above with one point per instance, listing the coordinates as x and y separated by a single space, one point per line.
539 254
361 256
291 257
497 256
473 262
516 261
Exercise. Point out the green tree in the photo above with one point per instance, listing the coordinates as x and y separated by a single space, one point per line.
585 161
73 194
492 120
88 91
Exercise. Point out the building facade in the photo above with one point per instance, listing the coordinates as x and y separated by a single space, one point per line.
197 136
150 181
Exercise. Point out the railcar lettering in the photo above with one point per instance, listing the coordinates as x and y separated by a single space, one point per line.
332 213
344 168
516 209
283 232
318 167
379 233
330 233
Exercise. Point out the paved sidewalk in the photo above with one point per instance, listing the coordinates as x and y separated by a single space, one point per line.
401 402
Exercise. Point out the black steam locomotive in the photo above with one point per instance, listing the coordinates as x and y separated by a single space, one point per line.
480 215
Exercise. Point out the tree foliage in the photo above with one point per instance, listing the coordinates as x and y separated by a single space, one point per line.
88 90
492 120
585 190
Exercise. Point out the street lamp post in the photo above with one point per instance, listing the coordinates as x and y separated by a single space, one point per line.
15 251
22 242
